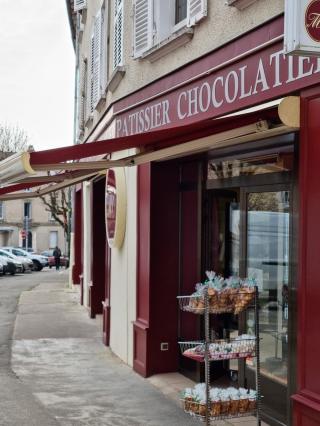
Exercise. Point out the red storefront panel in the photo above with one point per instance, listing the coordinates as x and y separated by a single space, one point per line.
307 399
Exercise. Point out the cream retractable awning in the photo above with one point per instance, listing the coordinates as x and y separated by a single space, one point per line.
34 169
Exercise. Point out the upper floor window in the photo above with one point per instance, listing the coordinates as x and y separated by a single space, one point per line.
27 210
181 11
155 21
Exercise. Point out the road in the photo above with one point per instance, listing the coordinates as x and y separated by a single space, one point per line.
18 406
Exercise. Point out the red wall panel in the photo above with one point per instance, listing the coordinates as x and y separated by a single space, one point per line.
307 399
77 267
98 270
141 325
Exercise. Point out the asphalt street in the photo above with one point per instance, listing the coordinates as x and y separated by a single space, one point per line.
18 406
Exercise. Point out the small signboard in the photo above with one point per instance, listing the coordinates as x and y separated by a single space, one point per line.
23 233
115 207
302 27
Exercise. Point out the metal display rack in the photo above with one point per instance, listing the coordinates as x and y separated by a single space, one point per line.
203 354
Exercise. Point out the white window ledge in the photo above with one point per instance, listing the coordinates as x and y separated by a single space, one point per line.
240 4
101 103
116 77
178 39
89 121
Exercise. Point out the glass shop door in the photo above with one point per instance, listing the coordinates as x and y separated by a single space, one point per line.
248 234
266 227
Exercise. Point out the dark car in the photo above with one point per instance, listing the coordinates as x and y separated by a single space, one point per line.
64 260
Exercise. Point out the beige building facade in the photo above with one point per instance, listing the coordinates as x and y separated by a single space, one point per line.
169 65
118 55
44 232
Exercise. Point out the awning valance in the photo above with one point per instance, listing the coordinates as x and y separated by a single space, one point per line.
32 169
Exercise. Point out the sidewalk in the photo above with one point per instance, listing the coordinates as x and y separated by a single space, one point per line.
58 353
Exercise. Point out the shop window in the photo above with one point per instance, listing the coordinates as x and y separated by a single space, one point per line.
1 210
250 166
157 23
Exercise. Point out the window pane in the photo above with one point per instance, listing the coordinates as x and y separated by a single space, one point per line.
181 10
27 209
270 163
53 239
268 263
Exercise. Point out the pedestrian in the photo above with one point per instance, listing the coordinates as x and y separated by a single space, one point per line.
57 254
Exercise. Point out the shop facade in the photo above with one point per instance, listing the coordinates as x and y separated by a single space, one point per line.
236 192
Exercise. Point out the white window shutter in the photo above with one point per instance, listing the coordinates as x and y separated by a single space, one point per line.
79 5
95 63
82 93
197 10
142 26
91 82
118 34
103 52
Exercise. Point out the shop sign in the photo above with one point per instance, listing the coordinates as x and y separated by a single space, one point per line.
262 76
302 27
115 207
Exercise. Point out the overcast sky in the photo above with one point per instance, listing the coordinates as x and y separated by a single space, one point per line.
37 71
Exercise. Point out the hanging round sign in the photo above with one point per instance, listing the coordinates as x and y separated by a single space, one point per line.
312 20
115 207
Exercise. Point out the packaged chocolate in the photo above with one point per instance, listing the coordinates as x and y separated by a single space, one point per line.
234 405
202 408
243 404
215 408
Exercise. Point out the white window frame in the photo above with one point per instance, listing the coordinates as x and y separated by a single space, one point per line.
55 232
169 31
51 218
30 210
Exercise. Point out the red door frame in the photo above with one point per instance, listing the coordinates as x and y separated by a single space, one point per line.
98 249
77 267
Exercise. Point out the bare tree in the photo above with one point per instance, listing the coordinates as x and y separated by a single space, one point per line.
58 203
12 139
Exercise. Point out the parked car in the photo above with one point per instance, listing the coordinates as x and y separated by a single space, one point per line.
27 264
4 265
39 261
13 263
64 260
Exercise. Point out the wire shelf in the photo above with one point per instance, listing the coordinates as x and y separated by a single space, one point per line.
219 302
219 349
220 411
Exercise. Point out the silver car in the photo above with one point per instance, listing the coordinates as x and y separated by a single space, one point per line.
14 264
